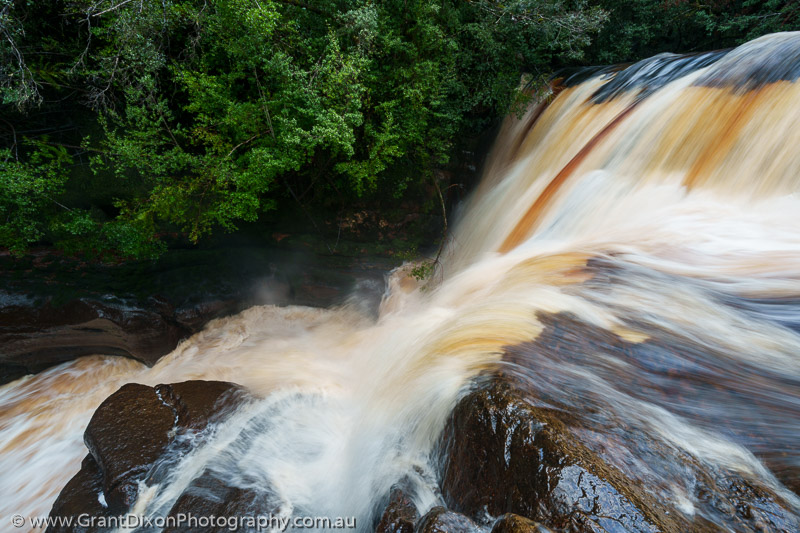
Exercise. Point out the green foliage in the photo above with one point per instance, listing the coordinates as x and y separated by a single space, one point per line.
212 112
17 84
197 115
423 271
752 18
86 232
641 28
30 210
28 191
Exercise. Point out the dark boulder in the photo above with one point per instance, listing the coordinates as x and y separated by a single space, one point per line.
400 515
501 453
208 496
83 495
512 523
134 429
442 520
129 432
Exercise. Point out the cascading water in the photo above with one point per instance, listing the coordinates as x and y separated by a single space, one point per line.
657 205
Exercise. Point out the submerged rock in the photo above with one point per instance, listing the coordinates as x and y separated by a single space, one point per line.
502 453
131 432
401 516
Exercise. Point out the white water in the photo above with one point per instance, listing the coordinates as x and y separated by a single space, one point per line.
692 200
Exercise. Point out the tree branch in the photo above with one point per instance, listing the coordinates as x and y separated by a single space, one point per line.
111 8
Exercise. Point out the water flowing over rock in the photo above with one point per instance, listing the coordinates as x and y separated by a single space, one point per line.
56 309
131 432
609 343
209 496
501 453
440 520
400 514
505 456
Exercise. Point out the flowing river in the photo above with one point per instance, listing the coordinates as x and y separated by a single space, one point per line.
656 205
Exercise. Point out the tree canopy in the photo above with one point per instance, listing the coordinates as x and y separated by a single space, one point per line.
122 120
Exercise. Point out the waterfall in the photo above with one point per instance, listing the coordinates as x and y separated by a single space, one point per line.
656 204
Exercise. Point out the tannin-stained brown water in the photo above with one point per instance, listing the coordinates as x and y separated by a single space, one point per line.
656 206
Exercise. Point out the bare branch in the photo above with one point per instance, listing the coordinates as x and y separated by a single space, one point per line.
28 86
113 8
248 141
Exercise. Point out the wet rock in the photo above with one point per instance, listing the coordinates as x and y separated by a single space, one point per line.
693 381
502 452
209 496
610 415
127 434
442 520
134 429
512 523
727 498
194 317
400 515
37 335
199 403
503 455
54 309
82 495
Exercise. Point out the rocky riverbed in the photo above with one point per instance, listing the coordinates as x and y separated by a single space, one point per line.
55 308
